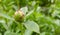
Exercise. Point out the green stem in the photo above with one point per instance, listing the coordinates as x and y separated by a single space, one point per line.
17 1
21 28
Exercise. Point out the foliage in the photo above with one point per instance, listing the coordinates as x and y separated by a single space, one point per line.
41 17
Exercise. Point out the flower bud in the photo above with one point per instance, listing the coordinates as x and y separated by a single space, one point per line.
19 16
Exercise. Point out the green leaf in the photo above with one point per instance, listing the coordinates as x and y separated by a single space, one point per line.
32 26
27 32
42 33
24 9
0 34
4 24
29 13
6 16
2 21
11 33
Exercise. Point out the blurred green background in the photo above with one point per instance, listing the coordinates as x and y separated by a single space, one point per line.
41 17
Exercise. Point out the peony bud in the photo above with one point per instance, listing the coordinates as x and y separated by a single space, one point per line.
19 16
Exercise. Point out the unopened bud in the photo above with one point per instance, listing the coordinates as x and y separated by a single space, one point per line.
19 15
